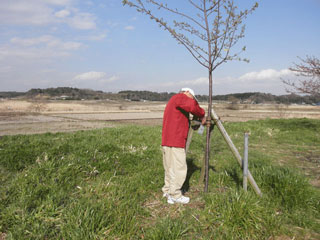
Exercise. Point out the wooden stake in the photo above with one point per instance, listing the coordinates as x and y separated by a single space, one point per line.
207 156
202 173
190 133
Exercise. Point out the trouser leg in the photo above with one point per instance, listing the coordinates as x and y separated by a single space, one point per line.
178 171
166 165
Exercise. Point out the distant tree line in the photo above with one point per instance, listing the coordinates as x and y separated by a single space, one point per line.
146 95
68 93
11 94
257 98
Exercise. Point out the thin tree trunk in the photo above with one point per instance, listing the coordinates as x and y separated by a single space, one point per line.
208 134
210 97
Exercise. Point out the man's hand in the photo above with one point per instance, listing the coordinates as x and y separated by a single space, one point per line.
203 121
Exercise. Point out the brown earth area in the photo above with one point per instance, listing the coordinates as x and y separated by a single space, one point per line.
40 116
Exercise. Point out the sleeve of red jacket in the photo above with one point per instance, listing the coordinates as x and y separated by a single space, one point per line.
192 106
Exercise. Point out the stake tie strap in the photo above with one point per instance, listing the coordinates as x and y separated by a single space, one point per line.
208 122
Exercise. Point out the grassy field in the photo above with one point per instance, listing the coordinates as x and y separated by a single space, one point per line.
105 184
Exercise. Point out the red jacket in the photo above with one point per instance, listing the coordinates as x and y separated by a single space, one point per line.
176 120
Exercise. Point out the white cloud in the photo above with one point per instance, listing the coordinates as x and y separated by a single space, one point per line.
43 47
129 28
265 74
30 41
49 41
266 80
98 37
112 78
90 76
195 82
56 2
22 54
4 69
62 14
90 3
198 82
100 77
112 24
25 13
44 12
83 21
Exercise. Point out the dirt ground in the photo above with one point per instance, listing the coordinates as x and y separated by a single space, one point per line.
40 116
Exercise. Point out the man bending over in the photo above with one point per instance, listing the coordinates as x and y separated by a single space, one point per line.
174 136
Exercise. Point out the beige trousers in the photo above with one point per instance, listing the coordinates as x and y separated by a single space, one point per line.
175 170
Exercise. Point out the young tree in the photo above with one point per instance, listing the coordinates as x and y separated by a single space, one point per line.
209 31
309 73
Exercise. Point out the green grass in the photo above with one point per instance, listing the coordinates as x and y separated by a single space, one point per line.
106 184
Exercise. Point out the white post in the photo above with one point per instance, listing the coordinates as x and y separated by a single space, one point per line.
245 162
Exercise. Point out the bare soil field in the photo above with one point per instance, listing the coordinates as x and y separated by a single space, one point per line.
40 116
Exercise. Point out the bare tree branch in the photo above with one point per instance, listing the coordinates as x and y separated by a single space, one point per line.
177 12
217 40
308 72
210 10
195 5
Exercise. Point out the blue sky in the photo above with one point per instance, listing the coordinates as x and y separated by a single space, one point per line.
102 45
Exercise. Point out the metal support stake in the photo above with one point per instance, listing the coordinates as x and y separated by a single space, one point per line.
245 162
234 150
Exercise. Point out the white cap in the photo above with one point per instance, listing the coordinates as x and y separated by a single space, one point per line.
190 91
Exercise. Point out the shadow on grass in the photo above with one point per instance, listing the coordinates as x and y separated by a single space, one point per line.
192 168
233 173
